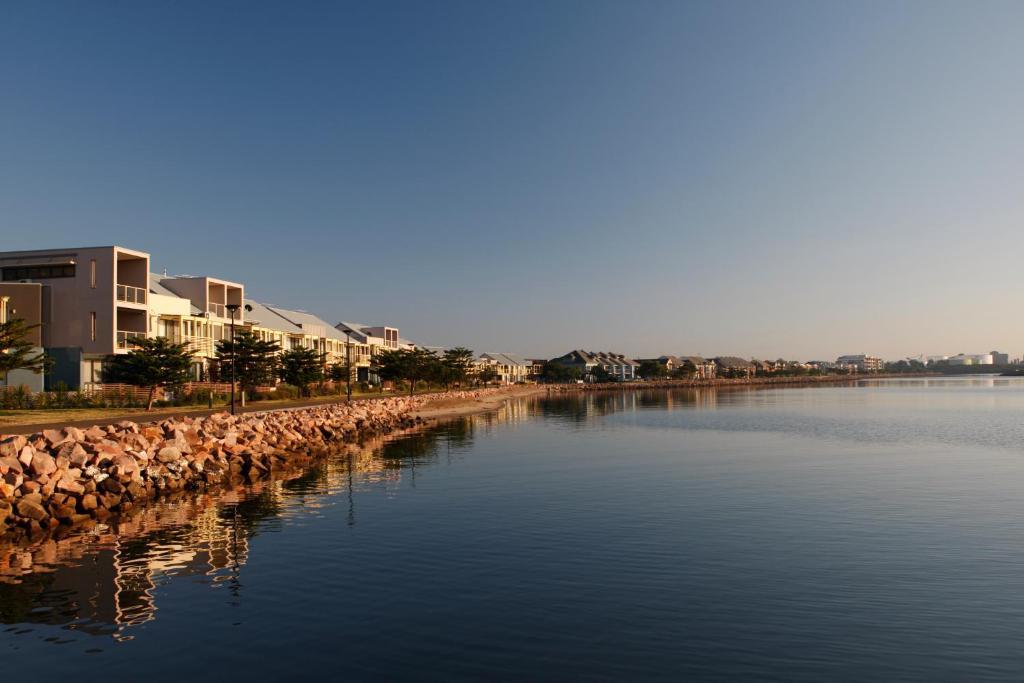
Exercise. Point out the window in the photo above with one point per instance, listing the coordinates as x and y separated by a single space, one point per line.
15 273
92 273
92 326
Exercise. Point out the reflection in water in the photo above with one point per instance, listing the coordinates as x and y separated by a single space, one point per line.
103 580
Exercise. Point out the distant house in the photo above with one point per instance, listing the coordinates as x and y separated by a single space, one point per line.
706 368
734 366
508 367
617 365
536 368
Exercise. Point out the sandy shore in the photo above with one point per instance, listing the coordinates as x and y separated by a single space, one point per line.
446 408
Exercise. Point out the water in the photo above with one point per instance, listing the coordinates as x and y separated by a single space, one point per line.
845 533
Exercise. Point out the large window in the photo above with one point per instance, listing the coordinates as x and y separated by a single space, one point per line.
14 273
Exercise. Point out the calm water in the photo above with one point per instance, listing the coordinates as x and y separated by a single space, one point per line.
864 532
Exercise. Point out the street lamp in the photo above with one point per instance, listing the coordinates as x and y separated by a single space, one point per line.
348 365
233 308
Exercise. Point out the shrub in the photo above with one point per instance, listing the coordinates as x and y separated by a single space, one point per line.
286 391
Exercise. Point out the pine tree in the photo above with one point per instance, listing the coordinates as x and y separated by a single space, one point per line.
17 352
152 363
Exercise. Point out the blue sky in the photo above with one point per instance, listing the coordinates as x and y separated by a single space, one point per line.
797 179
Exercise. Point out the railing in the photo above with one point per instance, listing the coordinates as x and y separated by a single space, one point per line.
217 310
126 339
131 295
200 346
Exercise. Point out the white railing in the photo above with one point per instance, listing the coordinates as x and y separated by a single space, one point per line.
126 339
131 295
200 346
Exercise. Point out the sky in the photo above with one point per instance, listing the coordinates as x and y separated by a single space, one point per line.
786 179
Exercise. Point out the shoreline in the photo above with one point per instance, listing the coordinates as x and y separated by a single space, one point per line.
61 478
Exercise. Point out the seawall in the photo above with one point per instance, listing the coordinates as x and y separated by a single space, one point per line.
67 476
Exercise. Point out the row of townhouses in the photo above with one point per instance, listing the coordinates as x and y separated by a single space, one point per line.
93 302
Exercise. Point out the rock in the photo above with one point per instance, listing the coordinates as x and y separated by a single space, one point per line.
69 485
25 455
31 509
10 446
9 463
89 502
42 463
168 454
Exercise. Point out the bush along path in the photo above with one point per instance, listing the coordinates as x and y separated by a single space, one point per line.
71 475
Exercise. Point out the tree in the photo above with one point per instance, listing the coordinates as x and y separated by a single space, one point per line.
652 369
255 360
487 374
599 374
17 352
338 372
558 373
411 365
457 363
685 371
152 363
300 368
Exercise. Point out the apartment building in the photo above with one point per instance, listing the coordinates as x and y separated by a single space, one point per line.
617 365
93 298
508 367
95 301
369 341
861 363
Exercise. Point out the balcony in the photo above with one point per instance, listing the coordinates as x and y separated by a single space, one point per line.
131 295
217 310
126 339
202 347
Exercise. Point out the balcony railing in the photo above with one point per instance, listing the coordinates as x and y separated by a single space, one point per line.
200 346
126 339
217 310
131 295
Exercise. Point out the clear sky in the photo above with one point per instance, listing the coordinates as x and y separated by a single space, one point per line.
797 179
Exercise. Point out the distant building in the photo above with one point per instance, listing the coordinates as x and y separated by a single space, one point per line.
536 368
1000 358
861 363
615 364
970 359
508 367
706 368
734 366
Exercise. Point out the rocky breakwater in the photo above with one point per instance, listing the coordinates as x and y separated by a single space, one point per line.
67 476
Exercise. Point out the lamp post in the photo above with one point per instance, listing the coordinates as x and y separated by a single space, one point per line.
348 365
233 308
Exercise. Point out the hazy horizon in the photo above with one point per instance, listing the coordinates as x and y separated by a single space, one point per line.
797 179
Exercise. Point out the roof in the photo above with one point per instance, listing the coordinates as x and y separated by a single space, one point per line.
507 359
309 323
596 358
733 362
264 316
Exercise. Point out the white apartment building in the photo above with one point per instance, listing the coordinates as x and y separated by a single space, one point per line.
508 367
94 301
861 363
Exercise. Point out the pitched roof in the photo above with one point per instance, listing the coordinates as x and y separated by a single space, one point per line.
264 316
733 362
309 323
506 359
